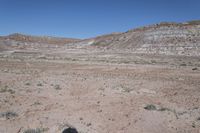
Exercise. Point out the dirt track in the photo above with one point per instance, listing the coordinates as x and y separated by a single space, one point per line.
100 96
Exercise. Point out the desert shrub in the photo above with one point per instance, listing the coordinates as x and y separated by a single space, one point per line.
6 89
193 125
126 62
2 90
8 114
39 84
100 44
194 22
37 130
164 109
27 84
183 64
153 61
57 87
11 91
37 103
150 107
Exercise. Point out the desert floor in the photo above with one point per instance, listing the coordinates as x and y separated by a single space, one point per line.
99 92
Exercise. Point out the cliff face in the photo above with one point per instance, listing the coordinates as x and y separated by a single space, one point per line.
164 38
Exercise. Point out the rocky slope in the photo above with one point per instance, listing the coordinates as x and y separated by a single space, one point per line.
163 38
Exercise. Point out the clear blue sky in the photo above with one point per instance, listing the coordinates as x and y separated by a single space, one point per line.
88 18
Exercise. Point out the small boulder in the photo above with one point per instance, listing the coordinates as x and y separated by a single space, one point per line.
70 130
194 69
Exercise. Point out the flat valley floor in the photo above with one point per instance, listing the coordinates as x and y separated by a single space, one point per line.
99 92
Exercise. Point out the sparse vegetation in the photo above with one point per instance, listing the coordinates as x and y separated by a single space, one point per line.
37 130
153 61
27 84
57 87
2 90
183 64
153 107
150 107
194 22
8 114
100 44
193 125
164 109
89 124
74 59
37 103
6 89
126 89
125 61
39 84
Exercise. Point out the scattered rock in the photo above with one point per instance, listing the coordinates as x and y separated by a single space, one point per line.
70 130
194 69
6 70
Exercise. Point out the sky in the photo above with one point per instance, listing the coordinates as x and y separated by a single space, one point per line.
89 18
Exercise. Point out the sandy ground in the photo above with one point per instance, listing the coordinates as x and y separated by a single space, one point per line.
99 93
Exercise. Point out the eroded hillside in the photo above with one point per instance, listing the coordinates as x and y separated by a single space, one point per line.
163 38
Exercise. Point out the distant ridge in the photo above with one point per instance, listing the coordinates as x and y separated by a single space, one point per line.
39 39
167 38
